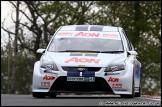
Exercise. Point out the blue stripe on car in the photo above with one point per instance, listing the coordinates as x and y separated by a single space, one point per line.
88 74
73 73
96 28
82 28
138 72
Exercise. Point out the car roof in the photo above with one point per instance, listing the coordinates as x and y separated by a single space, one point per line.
89 28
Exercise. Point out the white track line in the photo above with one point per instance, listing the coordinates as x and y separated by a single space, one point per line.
151 98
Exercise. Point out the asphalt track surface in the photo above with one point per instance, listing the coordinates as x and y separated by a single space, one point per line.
77 100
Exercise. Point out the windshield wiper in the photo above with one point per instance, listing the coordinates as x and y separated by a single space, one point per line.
112 51
80 51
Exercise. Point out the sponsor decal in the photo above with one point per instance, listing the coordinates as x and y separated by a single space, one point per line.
65 34
136 89
83 60
88 34
120 89
113 79
117 86
111 73
110 35
46 84
46 77
85 34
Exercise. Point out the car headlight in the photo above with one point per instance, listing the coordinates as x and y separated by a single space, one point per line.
115 67
48 66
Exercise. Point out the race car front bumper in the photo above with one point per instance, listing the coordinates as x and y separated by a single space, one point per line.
99 86
119 82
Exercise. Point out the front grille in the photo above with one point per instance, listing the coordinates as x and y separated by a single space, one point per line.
61 84
94 69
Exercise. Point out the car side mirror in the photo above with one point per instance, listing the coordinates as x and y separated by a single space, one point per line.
41 50
132 53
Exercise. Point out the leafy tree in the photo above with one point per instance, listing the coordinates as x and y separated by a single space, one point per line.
142 20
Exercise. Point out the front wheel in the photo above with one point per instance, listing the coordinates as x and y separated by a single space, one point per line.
52 95
126 96
39 94
138 94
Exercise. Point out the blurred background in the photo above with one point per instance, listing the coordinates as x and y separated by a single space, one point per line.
29 25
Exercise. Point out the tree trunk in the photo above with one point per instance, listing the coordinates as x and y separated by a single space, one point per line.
13 85
137 17
9 53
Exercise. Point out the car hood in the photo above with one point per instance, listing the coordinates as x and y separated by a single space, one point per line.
84 59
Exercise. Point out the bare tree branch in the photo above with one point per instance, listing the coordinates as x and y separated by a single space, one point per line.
30 28
12 18
25 46
25 15
13 4
7 30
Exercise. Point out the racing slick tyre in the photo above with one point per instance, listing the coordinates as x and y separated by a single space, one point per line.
52 95
129 95
39 94
139 93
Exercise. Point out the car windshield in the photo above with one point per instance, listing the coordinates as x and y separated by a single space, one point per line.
85 44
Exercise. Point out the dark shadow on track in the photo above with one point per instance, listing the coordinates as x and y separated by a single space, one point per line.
105 97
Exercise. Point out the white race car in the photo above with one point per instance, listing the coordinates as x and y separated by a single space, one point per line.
87 59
